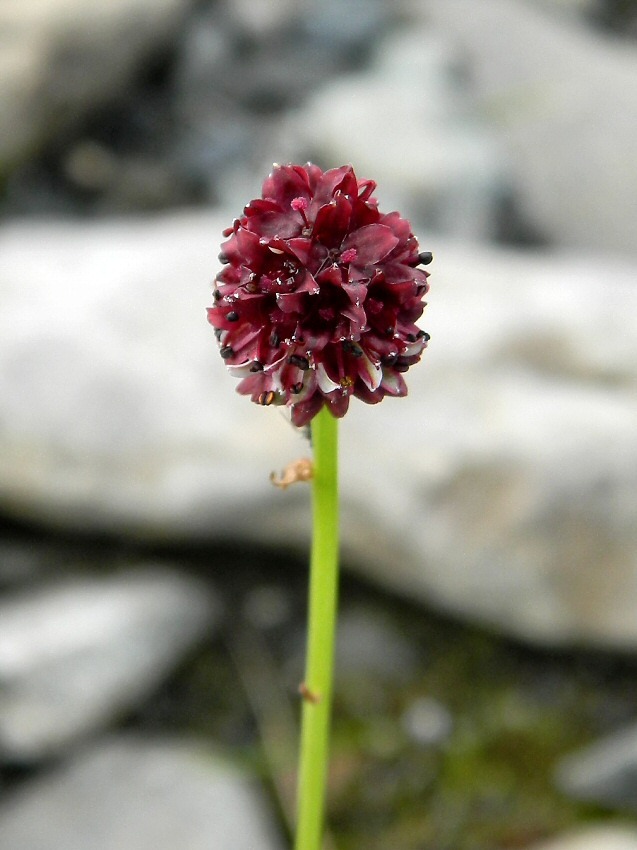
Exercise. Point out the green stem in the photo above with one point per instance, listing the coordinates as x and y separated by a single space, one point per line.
323 594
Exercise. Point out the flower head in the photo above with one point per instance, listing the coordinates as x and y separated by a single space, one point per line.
319 294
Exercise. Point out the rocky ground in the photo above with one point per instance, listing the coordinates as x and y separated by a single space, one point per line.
153 701
153 583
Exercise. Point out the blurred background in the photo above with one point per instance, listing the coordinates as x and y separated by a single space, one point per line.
152 582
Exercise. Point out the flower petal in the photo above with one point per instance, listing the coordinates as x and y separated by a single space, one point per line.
301 247
326 384
275 223
338 404
291 302
356 314
372 243
285 183
332 222
328 184
393 383
249 248
370 373
308 284
305 411
367 395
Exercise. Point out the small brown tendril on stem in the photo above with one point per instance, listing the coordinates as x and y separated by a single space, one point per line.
308 695
299 470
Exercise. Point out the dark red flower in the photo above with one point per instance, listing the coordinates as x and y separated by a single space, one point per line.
319 294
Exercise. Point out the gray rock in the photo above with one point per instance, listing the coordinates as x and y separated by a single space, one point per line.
604 772
427 722
574 8
261 18
139 795
124 182
62 58
565 112
502 489
369 643
410 126
241 65
345 25
267 606
19 562
75 655
605 837
372 658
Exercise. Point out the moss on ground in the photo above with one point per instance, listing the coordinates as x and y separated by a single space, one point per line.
487 785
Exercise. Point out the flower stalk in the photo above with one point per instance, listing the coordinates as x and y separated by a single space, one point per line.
317 302
323 595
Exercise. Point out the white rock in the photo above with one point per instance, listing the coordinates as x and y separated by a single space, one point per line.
427 722
73 656
605 772
368 644
609 837
262 18
562 97
62 57
502 489
139 795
